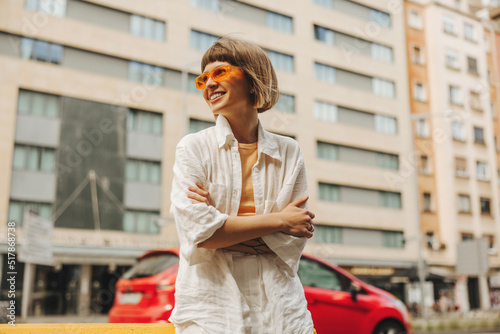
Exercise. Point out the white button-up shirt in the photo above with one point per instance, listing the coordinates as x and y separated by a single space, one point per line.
209 283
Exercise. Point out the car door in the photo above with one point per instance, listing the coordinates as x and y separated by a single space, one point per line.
329 299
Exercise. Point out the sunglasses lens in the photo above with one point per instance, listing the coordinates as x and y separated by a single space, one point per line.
201 81
219 73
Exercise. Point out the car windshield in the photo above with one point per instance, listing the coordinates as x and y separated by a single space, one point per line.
151 265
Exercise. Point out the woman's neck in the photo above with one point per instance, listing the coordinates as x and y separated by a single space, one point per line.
245 127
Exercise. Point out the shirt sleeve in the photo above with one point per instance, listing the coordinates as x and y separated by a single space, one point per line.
287 247
195 222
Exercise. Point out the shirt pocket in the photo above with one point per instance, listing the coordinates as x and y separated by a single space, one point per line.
218 196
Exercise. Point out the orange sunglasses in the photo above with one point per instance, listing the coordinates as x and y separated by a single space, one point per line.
218 74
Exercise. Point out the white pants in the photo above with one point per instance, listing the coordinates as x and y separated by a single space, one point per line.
191 329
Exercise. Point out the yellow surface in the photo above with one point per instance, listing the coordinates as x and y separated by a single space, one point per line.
88 329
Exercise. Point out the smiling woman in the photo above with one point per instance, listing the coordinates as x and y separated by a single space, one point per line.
243 223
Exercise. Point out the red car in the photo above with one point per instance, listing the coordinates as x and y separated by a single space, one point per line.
339 302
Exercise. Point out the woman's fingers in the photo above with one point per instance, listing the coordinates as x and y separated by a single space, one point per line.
299 202
198 198
199 194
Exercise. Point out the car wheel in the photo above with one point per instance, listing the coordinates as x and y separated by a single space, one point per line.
389 327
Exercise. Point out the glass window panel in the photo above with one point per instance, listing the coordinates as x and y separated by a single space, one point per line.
383 19
159 31
136 25
144 122
314 274
131 170
328 234
329 192
45 211
129 222
131 120
20 157
52 107
27 48
324 3
148 27
143 171
56 51
30 4
153 226
33 158
23 102
134 71
327 151
42 51
155 172
142 222
38 104
157 124
15 212
48 160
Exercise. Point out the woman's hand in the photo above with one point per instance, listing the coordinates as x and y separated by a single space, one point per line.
297 221
199 194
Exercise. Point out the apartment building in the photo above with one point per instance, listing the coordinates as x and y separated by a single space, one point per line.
96 94
451 104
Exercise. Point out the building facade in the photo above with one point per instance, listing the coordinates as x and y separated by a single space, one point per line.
96 94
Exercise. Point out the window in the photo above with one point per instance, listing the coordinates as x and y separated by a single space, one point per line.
386 124
423 128
384 88
451 57
472 65
419 92
324 3
461 167
415 20
381 52
33 158
482 171
485 206
146 27
38 104
467 236
324 35
325 234
449 24
281 61
457 4
324 73
286 103
50 7
426 201
381 18
17 209
324 111
145 122
327 151
146 73
315 274
329 192
390 199
417 55
464 203
196 125
455 94
469 33
41 50
202 41
425 167
143 171
141 222
458 131
212 5
478 135
280 22
388 161
392 239
491 243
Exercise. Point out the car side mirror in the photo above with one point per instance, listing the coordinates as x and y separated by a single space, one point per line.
355 289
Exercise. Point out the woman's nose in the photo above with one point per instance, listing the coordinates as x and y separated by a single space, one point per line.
211 82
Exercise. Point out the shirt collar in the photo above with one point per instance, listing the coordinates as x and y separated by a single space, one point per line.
266 143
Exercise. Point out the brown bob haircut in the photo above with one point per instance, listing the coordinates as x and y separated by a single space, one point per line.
254 63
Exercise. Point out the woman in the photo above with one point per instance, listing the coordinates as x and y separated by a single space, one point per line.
236 198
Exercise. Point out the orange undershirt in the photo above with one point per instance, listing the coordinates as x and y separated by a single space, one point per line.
248 155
